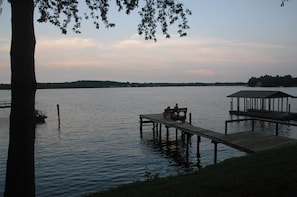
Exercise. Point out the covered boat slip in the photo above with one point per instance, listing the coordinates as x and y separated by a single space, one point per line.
262 104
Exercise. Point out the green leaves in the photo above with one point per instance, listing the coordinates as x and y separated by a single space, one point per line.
164 12
1 1
60 13
283 2
65 13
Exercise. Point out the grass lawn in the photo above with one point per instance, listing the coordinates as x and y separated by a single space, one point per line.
267 173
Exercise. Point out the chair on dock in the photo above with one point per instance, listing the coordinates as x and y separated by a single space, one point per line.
176 113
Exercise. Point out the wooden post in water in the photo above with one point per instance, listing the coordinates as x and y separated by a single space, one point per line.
140 126
160 128
58 109
198 146
198 152
226 127
190 117
167 133
215 151
188 145
160 133
276 129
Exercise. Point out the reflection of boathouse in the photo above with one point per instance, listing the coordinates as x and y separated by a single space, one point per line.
262 104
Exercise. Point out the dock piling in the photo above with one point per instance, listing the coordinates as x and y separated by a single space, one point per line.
198 146
215 151
59 122
167 133
188 145
140 126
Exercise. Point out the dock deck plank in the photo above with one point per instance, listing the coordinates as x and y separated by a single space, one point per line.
248 141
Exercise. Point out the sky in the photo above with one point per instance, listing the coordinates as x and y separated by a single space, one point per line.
228 41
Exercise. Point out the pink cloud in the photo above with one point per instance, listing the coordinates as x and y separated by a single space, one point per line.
203 72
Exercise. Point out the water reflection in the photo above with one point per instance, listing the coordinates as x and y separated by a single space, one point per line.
174 145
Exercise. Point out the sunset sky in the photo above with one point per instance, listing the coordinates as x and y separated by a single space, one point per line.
229 41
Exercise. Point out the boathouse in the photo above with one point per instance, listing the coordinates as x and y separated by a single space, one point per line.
263 104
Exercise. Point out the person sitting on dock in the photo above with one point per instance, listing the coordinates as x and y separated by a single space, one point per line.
168 112
174 114
176 107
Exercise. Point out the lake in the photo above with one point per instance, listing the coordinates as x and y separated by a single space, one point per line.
98 145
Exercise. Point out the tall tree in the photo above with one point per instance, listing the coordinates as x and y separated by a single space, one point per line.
20 173
20 163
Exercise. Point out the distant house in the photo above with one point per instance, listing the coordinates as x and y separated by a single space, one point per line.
263 104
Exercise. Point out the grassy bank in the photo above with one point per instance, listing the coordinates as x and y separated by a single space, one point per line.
269 173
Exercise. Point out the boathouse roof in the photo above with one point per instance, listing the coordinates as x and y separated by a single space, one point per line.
260 94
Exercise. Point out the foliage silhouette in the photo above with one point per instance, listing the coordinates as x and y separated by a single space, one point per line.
270 81
20 173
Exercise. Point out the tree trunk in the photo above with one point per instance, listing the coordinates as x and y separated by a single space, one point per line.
20 171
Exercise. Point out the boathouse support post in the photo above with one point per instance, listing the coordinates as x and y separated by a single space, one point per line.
155 128
167 133
190 118
160 128
282 99
160 133
287 108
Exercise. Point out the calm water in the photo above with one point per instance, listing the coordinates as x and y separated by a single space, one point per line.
98 145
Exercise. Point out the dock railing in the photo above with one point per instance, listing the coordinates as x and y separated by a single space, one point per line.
277 123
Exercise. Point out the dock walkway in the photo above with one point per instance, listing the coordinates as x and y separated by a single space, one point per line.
248 141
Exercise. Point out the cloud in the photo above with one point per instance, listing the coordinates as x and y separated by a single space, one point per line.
64 43
203 72
136 58
135 50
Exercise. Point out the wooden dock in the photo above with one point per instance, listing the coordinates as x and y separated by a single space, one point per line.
248 141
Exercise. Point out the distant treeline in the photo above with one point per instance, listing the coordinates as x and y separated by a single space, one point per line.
114 84
270 81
